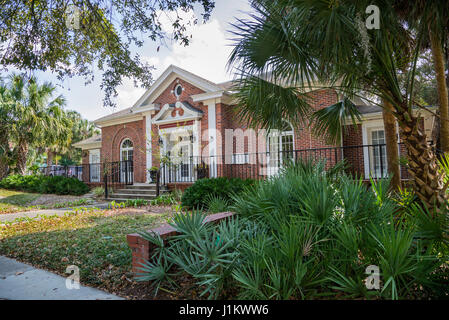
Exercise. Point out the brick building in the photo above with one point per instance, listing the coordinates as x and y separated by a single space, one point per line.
189 127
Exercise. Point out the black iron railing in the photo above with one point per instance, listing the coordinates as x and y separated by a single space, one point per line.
109 174
365 161
117 174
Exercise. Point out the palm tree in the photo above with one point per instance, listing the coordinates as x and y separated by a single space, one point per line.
434 16
58 140
81 129
5 127
36 117
290 45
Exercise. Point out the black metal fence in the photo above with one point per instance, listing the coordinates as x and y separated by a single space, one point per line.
363 161
119 172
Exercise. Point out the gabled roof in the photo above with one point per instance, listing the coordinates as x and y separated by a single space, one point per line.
176 72
145 102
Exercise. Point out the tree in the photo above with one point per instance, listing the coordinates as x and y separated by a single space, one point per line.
81 129
433 18
300 42
69 37
5 129
36 118
59 139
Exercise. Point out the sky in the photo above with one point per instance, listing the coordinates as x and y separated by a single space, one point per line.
206 56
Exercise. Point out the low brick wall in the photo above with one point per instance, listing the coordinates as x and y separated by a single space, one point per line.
179 186
141 248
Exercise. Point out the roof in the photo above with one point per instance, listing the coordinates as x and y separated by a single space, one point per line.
201 82
369 109
115 115
91 140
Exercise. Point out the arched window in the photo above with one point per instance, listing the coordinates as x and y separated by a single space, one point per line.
126 150
280 145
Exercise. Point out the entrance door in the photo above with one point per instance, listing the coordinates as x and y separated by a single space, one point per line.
126 161
180 150
94 164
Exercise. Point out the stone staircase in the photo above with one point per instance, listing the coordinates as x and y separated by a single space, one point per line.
145 191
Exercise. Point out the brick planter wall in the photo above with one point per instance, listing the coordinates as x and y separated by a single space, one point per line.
141 248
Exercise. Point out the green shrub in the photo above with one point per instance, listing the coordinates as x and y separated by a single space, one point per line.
45 184
164 199
98 192
306 234
216 204
195 195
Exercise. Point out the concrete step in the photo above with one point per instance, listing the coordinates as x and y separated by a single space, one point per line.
115 196
137 191
142 186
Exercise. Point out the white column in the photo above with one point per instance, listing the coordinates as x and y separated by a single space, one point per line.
148 145
211 116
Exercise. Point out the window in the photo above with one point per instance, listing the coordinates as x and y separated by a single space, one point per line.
378 154
240 158
280 145
178 90
126 150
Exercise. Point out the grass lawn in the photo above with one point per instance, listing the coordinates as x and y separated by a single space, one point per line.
93 240
13 201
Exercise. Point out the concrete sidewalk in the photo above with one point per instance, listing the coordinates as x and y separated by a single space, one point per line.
19 281
9 217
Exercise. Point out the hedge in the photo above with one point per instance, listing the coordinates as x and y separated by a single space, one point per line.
194 196
45 184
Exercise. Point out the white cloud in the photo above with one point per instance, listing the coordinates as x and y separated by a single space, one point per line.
206 55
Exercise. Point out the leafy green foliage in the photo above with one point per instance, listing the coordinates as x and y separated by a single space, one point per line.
45 184
195 195
216 204
102 39
128 203
98 192
309 233
164 199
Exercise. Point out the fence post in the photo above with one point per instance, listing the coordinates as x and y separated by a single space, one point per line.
157 183
126 172
105 186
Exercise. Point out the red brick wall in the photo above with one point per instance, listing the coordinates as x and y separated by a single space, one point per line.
354 156
229 118
112 138
167 96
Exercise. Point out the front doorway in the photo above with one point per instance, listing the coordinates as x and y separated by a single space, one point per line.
126 160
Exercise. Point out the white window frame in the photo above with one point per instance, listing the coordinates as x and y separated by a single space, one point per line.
367 128
94 154
272 170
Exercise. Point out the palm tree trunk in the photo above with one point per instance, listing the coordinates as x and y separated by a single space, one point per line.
438 61
427 180
22 155
50 155
391 140
4 168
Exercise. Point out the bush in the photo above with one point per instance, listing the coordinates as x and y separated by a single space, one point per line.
216 204
98 192
195 195
45 184
307 234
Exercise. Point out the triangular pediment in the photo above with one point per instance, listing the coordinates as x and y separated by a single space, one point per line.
177 112
169 75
